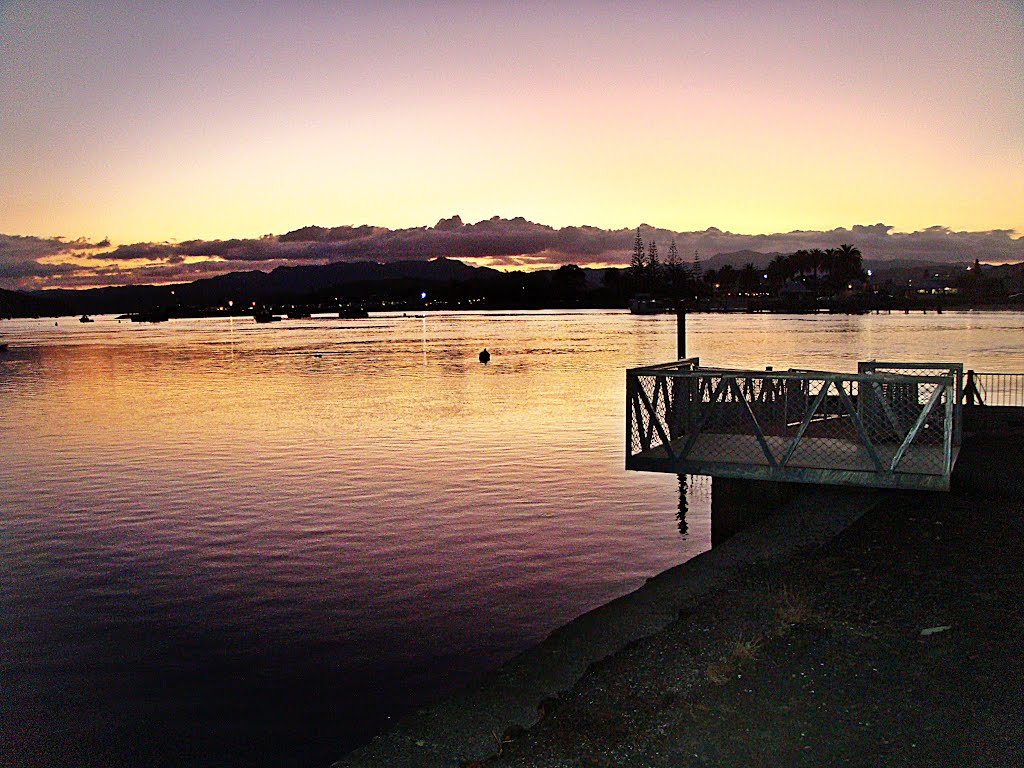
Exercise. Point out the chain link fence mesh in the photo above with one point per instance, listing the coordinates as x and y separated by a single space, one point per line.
886 421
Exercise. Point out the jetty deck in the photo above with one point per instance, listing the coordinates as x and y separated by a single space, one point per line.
890 425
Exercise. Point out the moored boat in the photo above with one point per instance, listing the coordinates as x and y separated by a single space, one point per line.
352 313
645 304
159 315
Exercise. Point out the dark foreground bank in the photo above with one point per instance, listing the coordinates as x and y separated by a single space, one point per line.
898 642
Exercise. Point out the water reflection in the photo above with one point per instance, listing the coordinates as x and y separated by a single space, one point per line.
683 507
695 491
310 544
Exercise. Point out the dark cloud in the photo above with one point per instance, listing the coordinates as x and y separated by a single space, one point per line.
511 243
139 251
20 259
449 225
29 272
333 234
28 248
877 242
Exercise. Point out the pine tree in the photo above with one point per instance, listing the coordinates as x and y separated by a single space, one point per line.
653 266
673 255
697 277
638 264
673 269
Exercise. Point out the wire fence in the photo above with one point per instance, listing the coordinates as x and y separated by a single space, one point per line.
955 370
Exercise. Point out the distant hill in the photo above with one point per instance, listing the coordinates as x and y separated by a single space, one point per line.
738 259
19 304
245 287
449 283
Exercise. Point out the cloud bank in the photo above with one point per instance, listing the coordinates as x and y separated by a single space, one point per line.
28 262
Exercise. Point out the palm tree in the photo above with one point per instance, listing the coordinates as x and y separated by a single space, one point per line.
819 259
748 277
780 270
849 261
800 261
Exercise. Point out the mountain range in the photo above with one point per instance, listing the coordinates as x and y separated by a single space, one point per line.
243 288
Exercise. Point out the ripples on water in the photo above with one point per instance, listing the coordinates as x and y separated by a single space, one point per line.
231 544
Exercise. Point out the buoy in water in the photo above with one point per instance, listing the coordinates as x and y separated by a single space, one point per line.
485 356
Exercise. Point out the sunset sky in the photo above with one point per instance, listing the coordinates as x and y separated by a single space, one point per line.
179 121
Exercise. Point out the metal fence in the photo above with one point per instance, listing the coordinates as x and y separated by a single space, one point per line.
874 428
956 370
1004 390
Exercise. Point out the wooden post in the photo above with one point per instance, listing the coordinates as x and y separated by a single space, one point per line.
971 390
680 399
680 330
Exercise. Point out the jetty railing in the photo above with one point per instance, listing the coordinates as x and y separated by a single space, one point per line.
956 370
877 428
1004 390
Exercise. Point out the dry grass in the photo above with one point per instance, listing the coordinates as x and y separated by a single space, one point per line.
792 610
721 671
746 651
743 652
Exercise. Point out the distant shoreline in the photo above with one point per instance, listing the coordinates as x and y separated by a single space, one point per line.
202 314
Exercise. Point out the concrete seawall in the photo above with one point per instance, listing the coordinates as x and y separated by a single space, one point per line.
469 725
770 530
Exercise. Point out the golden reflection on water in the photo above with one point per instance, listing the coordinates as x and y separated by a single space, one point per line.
363 499
357 505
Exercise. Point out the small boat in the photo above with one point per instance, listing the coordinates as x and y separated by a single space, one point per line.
644 304
85 319
159 315
265 316
352 313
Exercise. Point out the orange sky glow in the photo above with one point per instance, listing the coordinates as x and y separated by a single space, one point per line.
179 121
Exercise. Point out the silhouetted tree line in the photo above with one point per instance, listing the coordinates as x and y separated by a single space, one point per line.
832 268
827 271
814 273
672 278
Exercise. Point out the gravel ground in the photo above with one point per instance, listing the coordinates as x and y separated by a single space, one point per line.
901 642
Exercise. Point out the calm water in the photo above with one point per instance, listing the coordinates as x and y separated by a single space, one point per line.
224 543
